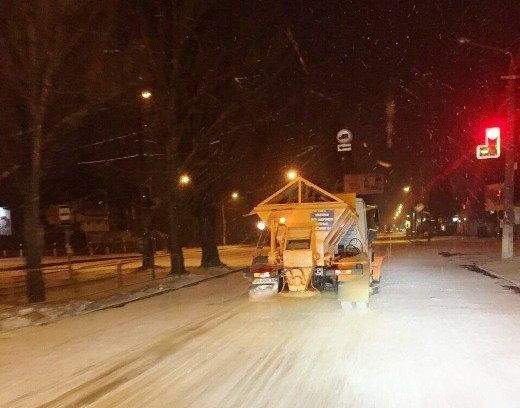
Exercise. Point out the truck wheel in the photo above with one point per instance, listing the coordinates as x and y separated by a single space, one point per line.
318 282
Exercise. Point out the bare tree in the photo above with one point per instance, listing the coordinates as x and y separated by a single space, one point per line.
48 46
211 65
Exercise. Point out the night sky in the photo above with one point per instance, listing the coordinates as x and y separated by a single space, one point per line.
319 66
360 55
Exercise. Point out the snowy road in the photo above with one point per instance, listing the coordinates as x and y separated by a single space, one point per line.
437 334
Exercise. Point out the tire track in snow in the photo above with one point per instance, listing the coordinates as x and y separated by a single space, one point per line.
137 364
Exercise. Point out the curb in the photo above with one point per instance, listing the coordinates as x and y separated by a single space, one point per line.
162 291
497 275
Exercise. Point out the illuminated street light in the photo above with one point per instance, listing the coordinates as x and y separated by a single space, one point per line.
146 94
234 195
406 189
184 179
260 225
291 174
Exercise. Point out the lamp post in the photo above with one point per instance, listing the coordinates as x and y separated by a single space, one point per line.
234 196
148 250
407 199
509 147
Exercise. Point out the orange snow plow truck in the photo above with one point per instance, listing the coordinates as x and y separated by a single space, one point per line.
318 241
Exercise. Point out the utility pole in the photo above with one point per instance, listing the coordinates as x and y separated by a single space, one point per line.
223 212
234 196
509 176
65 219
68 250
509 147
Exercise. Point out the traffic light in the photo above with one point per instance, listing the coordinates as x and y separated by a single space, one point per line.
491 149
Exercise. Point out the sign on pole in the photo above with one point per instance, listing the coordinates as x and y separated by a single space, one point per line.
344 138
64 214
5 221
363 183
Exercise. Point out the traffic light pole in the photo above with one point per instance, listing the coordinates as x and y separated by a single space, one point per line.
509 147
509 176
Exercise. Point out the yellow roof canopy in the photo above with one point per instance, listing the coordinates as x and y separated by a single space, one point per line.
300 191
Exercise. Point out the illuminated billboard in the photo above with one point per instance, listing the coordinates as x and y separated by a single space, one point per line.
5 221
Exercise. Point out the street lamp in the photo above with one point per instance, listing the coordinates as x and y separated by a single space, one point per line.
146 94
184 179
146 218
291 174
406 189
508 146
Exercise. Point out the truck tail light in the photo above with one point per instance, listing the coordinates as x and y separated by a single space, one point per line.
262 273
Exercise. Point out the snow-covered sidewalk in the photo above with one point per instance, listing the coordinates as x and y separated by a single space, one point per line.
15 317
235 257
484 253
508 270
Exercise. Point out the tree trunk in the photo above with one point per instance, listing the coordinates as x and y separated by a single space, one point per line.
208 237
174 244
33 230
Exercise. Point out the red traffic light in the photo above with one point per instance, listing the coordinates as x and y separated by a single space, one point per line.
492 133
491 149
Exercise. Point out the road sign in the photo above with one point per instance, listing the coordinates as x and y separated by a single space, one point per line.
344 136
64 214
5 221
363 183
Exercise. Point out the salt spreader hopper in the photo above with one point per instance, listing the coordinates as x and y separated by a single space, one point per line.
317 241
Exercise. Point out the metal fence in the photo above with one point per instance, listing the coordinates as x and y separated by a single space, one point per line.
91 281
